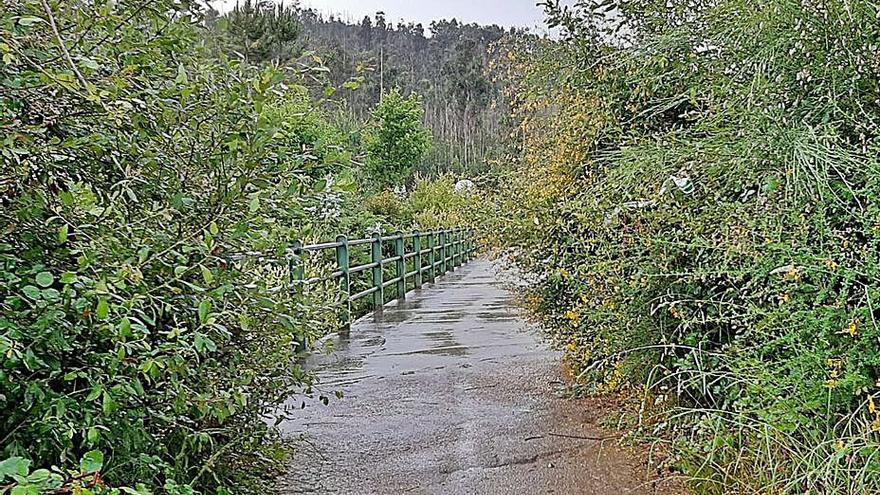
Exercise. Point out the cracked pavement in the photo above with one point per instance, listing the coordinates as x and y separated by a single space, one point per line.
450 392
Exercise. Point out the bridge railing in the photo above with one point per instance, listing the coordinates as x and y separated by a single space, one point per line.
419 257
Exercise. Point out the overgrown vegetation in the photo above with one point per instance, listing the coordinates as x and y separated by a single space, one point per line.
695 200
152 179
691 190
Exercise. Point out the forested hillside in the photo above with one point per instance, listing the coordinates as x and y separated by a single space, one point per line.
449 70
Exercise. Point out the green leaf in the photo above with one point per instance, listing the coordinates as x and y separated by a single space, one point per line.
67 198
255 205
39 476
103 309
28 20
213 228
63 232
31 292
92 461
45 279
181 78
93 435
204 311
17 466
108 405
25 490
125 327
89 63
95 392
141 490
207 275
204 343
68 278
345 184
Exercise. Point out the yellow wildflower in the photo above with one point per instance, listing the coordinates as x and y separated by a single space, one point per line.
852 329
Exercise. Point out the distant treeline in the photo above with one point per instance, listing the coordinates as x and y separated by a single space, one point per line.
450 69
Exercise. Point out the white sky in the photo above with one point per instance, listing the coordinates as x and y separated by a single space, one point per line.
521 13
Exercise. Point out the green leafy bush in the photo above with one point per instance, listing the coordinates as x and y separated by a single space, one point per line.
696 206
385 204
139 176
434 203
86 480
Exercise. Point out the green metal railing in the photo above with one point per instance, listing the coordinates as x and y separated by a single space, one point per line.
418 257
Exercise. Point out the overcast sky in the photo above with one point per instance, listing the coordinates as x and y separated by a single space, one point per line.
521 13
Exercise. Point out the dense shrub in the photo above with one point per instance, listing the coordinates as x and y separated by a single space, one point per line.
137 172
434 203
696 200
385 204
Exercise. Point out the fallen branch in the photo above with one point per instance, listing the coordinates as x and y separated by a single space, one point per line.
575 437
583 437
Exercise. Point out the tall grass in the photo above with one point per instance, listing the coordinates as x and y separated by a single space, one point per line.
698 205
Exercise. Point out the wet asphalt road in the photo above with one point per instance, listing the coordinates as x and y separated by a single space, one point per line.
450 392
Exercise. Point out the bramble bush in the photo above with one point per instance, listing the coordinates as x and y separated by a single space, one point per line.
695 200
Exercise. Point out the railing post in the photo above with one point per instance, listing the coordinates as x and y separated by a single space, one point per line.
460 247
379 294
443 258
450 249
342 261
432 256
399 252
454 248
456 252
458 239
463 247
417 260
475 245
465 250
297 269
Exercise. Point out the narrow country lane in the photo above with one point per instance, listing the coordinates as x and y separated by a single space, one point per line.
450 392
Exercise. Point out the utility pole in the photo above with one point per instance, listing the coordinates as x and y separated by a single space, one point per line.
381 71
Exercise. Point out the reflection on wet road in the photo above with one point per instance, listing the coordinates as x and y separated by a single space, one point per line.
448 392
